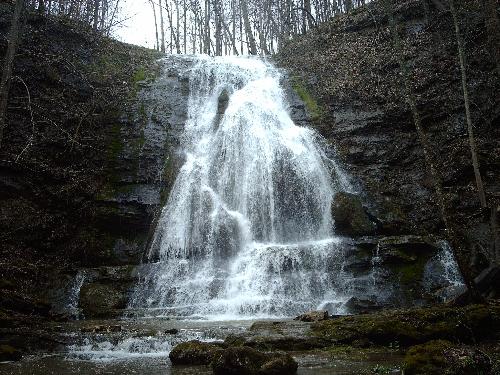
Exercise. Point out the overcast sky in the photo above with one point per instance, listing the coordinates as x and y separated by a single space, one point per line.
140 28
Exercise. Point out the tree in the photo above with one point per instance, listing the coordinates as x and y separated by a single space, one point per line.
14 35
248 28
156 25
472 141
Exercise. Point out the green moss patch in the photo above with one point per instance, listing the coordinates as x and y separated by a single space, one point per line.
312 106
413 326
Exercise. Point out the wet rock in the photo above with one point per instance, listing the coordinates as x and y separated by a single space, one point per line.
313 316
222 102
407 244
360 306
194 353
488 282
349 216
247 361
173 331
275 335
102 300
102 329
9 353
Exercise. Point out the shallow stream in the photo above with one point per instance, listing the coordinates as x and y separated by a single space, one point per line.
141 346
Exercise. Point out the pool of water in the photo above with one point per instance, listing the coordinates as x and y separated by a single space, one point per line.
141 346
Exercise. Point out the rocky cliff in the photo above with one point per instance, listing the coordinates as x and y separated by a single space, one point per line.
88 158
347 72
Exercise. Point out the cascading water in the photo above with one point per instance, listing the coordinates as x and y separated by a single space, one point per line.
247 228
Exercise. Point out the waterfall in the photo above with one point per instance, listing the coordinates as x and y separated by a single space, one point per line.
247 228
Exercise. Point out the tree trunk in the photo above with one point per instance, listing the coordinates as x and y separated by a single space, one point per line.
14 34
185 27
96 14
207 28
248 28
472 141
104 14
162 27
156 26
218 28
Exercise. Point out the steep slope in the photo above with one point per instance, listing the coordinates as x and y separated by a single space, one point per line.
86 159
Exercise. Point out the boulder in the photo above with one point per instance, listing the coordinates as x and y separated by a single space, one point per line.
194 353
427 359
247 361
350 217
313 316
358 306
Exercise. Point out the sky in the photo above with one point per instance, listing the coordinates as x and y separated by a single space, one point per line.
139 29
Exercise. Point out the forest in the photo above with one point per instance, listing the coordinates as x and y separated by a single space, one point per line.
276 187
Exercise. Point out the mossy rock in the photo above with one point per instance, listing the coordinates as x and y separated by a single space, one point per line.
244 360
413 326
102 300
194 353
427 359
349 216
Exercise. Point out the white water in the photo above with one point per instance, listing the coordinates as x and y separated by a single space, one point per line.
442 276
247 229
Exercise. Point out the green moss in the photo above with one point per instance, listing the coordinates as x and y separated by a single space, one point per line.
411 272
193 353
351 353
116 143
427 359
413 326
312 106
139 75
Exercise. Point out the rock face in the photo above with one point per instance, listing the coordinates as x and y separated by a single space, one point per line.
100 300
247 361
350 217
87 192
358 87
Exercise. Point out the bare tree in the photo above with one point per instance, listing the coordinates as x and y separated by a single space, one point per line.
14 35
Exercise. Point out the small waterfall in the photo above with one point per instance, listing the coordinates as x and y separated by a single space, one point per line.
74 294
247 228
442 276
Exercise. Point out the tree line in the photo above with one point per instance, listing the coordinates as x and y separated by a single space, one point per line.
101 15
238 27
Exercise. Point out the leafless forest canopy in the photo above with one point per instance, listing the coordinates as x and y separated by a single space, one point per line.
215 27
